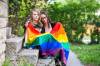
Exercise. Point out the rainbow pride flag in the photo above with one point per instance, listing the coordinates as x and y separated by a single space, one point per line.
54 43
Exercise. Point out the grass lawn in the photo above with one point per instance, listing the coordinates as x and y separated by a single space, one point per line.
20 63
89 55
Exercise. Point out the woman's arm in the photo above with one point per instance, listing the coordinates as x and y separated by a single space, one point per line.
26 24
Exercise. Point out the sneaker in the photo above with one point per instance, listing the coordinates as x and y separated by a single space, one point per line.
63 64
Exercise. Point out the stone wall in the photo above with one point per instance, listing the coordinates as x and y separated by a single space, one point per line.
3 26
11 46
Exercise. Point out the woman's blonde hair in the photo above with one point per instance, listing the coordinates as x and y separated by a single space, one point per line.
29 18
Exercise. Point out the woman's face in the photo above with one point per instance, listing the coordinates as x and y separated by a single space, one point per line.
44 18
35 16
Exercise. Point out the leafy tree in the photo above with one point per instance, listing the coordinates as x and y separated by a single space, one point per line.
74 14
19 11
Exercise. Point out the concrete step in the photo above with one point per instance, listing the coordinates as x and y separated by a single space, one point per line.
13 45
28 55
2 34
3 21
2 52
8 32
46 62
2 58
4 9
2 48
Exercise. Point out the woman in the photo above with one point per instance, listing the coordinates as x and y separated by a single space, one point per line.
46 22
55 46
33 21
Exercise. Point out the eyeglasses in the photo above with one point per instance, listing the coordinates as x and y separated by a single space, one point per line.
43 17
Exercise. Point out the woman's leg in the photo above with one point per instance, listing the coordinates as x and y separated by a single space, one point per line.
57 62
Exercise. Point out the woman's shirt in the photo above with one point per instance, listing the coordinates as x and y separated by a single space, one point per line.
47 29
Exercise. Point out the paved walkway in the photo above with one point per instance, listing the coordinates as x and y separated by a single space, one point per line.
73 60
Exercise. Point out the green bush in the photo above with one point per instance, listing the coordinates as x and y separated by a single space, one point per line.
73 14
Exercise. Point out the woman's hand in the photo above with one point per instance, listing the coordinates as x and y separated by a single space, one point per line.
26 24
